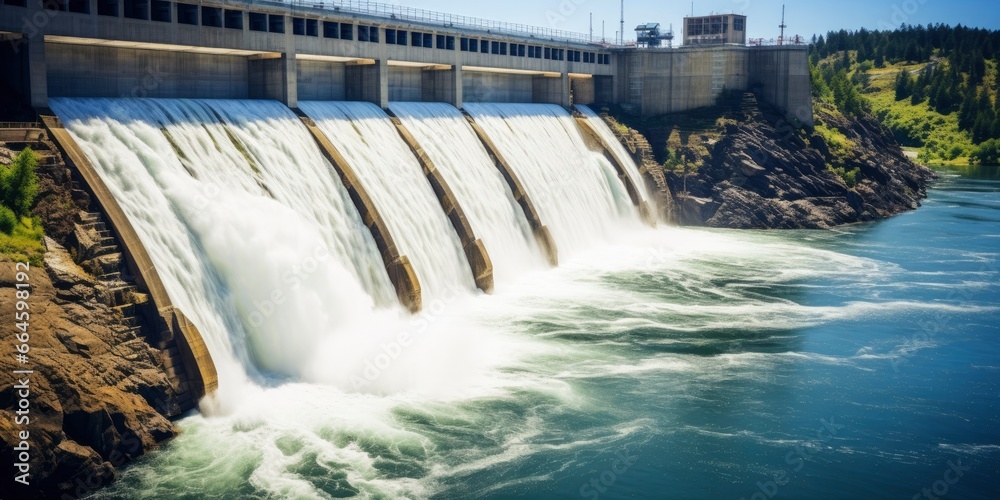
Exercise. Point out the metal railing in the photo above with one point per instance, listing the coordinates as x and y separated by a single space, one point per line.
410 14
20 125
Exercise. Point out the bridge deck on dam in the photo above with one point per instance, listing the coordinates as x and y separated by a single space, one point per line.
231 49
370 52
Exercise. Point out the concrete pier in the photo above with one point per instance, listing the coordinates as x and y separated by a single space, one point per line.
541 232
598 142
475 251
400 271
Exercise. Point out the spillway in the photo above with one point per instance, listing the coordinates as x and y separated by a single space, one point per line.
617 148
576 191
394 179
259 243
251 232
495 216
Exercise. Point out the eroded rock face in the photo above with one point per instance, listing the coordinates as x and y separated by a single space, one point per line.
762 175
94 390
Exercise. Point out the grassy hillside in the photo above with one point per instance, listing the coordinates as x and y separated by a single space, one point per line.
20 233
936 87
936 136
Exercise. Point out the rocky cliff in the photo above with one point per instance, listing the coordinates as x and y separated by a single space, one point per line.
98 393
742 166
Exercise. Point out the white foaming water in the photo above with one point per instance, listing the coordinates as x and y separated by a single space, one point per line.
140 168
396 183
576 191
255 239
479 187
616 148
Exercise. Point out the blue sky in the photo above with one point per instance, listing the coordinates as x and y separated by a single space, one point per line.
803 17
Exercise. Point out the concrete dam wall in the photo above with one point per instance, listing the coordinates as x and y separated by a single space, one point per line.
265 50
123 49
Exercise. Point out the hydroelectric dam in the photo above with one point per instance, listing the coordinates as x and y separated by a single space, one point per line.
261 161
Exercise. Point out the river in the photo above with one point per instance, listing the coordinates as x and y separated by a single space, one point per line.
861 362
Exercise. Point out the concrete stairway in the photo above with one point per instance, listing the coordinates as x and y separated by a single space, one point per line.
103 257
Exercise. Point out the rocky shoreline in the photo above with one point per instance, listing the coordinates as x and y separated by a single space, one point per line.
98 395
753 170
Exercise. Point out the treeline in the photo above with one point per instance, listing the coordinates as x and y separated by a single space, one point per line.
966 48
956 77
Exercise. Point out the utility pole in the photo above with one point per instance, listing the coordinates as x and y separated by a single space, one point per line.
781 39
623 24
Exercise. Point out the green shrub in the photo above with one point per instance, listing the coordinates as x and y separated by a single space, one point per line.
7 220
988 153
850 177
19 184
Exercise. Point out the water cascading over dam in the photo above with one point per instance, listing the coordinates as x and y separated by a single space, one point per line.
480 188
231 223
393 177
577 192
260 243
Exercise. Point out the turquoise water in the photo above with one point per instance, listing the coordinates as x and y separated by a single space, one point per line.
862 362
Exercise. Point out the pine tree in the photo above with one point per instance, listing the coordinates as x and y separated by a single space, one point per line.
879 57
903 85
18 183
967 113
985 118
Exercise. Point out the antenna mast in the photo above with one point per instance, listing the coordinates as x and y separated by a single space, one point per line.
781 39
591 26
623 24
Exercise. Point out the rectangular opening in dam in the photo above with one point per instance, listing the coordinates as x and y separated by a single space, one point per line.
211 17
187 14
107 8
275 23
258 21
331 30
368 34
395 37
234 19
159 10
137 9
59 5
79 6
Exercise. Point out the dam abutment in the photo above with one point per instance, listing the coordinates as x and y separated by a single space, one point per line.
201 377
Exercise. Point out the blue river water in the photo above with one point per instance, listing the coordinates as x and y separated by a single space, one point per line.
861 362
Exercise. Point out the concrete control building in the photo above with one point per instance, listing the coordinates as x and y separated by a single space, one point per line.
715 29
